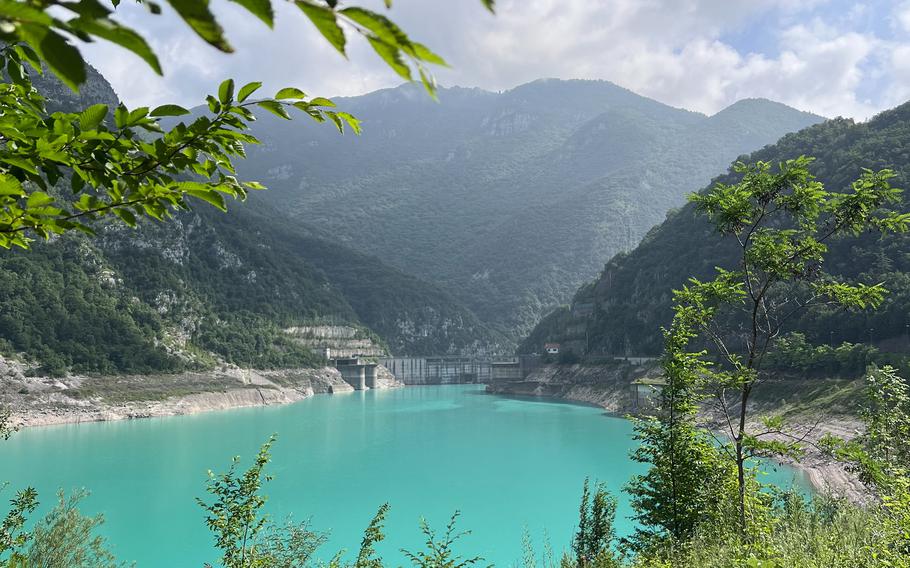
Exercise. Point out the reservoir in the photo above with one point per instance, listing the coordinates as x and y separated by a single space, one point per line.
508 465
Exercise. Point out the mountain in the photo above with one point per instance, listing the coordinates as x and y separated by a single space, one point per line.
209 287
622 311
507 200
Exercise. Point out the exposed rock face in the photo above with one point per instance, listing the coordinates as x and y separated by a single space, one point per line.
606 386
39 401
336 341
385 379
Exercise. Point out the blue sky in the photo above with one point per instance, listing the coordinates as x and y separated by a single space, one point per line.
832 57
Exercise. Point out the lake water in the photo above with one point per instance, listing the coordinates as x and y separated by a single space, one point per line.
507 464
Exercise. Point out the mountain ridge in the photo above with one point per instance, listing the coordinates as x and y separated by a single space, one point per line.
475 192
631 298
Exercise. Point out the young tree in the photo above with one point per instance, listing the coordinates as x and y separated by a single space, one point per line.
781 220
246 537
13 536
687 477
368 557
440 552
67 539
594 540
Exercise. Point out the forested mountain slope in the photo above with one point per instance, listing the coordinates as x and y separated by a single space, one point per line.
632 297
509 200
208 286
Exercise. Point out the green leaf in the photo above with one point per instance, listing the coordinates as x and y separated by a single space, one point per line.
169 110
38 199
121 116
290 93
322 101
28 54
125 215
352 121
209 196
275 108
196 13
137 115
424 53
22 12
489 4
392 56
9 185
384 28
122 36
90 118
262 9
226 91
63 59
248 90
326 22
20 163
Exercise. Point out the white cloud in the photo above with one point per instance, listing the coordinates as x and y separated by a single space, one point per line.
677 51
902 16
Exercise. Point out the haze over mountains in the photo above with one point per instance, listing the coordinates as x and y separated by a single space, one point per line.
507 200
207 287
447 228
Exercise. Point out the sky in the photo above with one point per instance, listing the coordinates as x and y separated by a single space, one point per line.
831 57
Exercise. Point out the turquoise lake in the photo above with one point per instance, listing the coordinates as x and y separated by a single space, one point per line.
506 464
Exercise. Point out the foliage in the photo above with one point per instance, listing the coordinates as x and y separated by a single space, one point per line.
56 305
67 539
36 26
113 168
246 537
124 165
439 552
594 540
793 354
13 536
687 482
780 220
881 456
367 556
822 533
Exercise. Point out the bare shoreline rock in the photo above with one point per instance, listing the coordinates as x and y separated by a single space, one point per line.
43 401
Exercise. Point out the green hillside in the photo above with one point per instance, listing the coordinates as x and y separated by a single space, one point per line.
632 295
508 200
206 287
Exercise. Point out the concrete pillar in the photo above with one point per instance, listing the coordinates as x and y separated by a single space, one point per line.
372 373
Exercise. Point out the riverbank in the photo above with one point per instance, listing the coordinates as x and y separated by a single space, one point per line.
44 401
812 409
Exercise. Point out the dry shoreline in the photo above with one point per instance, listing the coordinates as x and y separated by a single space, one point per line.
43 401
